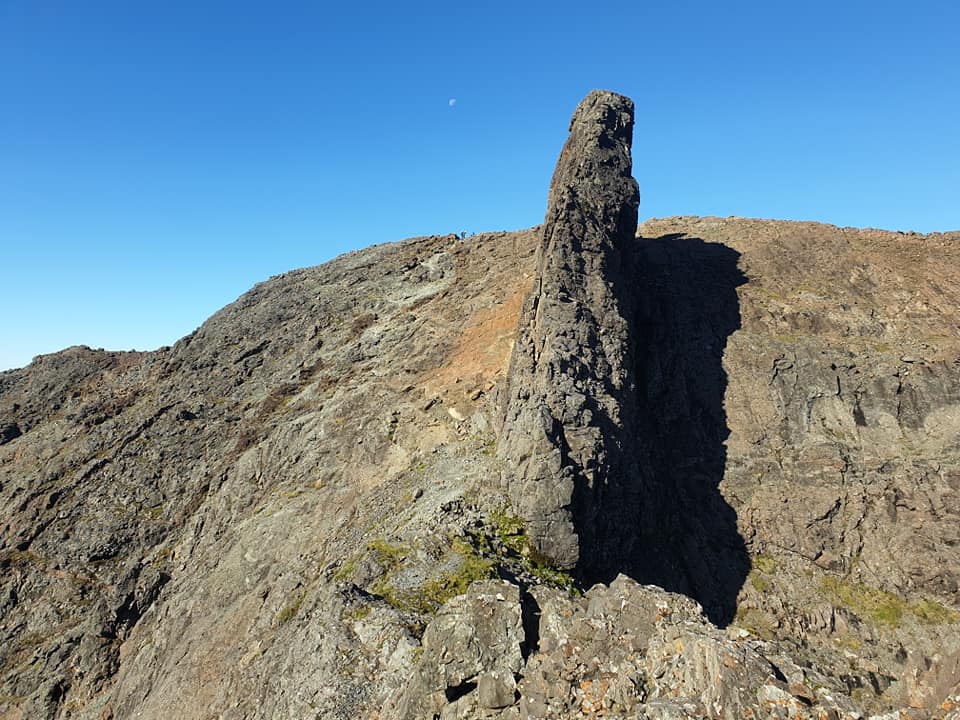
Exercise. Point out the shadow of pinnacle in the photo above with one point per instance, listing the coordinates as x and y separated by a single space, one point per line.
658 515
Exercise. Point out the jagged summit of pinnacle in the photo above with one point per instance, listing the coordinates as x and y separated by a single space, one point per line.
597 152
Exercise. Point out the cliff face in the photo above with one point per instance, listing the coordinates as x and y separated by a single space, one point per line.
372 488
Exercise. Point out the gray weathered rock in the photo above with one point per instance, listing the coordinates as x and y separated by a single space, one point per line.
622 651
472 645
496 689
570 361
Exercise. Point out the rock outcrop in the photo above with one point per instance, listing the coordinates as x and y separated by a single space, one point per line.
741 439
571 373
472 650
613 425
620 651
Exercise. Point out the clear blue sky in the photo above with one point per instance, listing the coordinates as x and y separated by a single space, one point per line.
157 159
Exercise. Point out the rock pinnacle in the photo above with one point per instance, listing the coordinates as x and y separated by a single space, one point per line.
570 361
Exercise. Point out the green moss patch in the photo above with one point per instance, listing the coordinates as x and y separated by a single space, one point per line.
509 537
930 612
510 530
885 608
764 564
757 622
870 603
762 569
500 547
290 610
387 554
428 598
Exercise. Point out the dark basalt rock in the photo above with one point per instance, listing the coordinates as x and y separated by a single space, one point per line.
9 431
613 421
570 365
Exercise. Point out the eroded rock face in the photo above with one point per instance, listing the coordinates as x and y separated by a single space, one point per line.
571 363
471 655
183 531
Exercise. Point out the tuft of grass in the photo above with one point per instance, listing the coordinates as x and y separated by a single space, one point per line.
930 612
357 613
162 556
510 530
290 610
848 642
488 447
345 571
881 607
762 567
885 608
765 564
760 583
756 622
428 598
501 542
387 554
559 579
473 567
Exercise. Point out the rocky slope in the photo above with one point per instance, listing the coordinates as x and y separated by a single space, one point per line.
707 469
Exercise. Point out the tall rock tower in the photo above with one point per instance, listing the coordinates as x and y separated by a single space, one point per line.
570 373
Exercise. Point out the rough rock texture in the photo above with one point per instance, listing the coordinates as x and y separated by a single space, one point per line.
473 644
181 532
303 509
620 651
842 457
570 365
614 426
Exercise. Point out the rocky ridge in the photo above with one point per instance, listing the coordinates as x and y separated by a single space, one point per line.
707 471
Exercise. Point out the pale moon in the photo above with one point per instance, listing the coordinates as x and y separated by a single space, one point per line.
451 102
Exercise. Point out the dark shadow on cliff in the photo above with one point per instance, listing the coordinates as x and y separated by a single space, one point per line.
659 516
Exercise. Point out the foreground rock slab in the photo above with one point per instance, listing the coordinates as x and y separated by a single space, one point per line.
621 651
